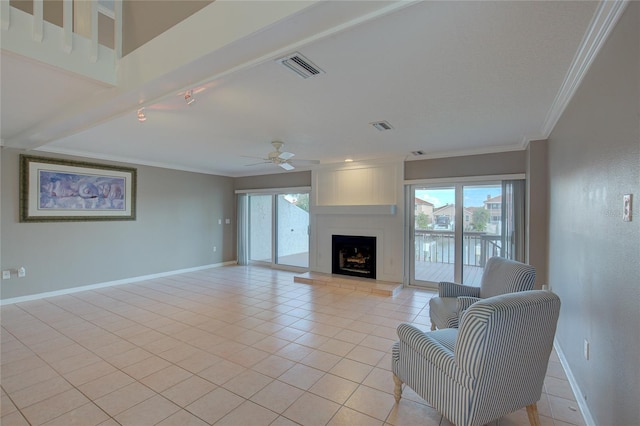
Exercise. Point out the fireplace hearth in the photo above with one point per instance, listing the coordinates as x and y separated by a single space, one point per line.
353 255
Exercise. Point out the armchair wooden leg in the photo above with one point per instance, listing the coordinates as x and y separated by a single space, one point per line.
397 391
433 326
532 412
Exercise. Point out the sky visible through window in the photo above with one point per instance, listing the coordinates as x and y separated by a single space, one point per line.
473 196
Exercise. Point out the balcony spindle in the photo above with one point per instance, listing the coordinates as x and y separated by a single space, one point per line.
118 29
93 53
67 24
5 14
38 20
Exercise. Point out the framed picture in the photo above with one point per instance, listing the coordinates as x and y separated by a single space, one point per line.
54 190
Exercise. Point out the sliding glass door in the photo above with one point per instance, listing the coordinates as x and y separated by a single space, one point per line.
260 228
278 229
481 232
292 243
434 240
456 227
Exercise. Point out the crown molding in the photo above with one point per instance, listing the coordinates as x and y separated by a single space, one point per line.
604 20
127 160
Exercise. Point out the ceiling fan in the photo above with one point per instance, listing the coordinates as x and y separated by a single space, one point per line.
282 158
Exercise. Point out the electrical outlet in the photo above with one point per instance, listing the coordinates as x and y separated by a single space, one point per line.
6 275
22 272
215 249
227 221
586 349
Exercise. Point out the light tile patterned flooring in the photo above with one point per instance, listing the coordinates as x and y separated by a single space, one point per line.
227 346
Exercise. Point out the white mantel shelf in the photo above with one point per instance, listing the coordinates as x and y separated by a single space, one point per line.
381 209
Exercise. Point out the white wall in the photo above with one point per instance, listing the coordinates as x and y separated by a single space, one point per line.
364 198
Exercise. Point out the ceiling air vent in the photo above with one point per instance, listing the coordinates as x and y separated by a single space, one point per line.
382 125
417 153
300 65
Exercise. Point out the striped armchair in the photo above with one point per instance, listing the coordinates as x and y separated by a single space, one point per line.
500 276
494 364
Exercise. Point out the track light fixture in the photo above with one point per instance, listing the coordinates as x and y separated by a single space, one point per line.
188 97
141 115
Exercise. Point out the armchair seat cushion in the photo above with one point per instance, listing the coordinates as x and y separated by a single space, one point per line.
444 311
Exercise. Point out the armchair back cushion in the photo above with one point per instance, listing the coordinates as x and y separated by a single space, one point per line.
502 276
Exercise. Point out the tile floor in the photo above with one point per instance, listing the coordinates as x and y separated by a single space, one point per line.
225 346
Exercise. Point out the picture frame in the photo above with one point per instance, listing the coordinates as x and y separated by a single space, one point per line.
57 190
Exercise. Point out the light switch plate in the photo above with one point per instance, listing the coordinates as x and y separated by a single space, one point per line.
627 210
6 275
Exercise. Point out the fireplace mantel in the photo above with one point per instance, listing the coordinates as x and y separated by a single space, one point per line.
382 209
364 199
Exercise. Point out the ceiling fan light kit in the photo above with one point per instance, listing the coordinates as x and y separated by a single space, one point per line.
282 158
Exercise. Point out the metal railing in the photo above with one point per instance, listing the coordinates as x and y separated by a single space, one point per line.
439 247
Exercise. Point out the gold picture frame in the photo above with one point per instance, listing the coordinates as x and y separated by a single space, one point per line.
56 190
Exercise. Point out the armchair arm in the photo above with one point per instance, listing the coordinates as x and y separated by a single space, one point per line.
449 289
432 347
464 302
426 346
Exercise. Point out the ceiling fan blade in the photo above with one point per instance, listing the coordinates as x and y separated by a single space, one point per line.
286 155
286 166
255 164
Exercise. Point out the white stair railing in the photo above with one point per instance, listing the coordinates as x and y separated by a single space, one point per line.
79 35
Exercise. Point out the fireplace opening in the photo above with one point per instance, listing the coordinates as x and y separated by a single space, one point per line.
353 255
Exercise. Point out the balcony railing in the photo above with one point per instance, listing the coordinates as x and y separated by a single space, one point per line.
439 247
435 254
78 35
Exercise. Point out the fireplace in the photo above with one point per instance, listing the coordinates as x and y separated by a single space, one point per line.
353 255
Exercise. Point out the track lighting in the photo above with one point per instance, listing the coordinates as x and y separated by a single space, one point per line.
141 116
188 97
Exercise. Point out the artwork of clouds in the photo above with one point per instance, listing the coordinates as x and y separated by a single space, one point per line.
71 191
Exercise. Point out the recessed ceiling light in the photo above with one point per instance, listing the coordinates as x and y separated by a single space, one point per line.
348 160
141 115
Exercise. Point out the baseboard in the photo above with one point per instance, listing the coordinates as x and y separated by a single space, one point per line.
37 296
582 404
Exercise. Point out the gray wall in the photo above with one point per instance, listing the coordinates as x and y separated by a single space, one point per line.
469 165
279 180
176 228
145 20
594 257
537 206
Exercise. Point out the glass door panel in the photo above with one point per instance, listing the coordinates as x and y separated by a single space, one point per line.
482 231
292 243
434 218
260 228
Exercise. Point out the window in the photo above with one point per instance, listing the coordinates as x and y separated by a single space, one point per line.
466 230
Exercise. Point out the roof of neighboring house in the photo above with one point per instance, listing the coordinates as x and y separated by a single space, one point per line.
446 206
496 199
422 202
